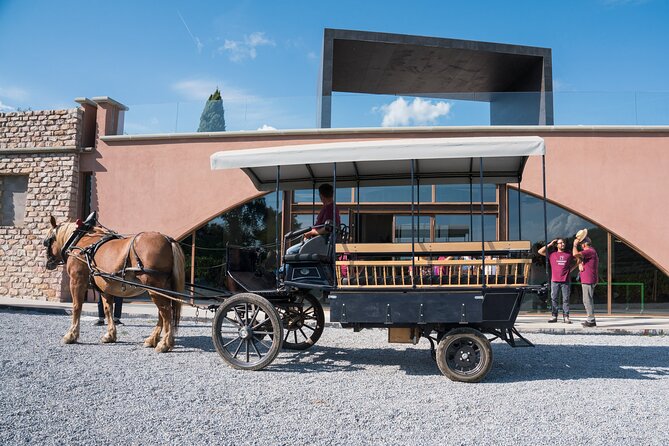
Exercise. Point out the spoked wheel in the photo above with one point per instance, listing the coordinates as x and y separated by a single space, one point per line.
464 354
303 321
247 331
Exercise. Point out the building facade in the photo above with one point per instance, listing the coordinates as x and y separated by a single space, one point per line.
611 180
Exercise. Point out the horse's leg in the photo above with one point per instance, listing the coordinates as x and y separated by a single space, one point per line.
78 287
108 302
165 308
154 338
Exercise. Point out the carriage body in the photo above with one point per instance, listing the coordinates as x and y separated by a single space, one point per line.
415 290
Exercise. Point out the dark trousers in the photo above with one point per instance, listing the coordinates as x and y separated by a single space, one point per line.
118 305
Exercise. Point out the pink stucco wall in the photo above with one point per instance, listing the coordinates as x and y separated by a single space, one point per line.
615 177
618 180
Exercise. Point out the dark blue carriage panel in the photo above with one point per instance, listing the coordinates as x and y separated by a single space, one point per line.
406 307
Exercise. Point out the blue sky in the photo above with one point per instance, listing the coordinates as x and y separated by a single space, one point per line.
153 55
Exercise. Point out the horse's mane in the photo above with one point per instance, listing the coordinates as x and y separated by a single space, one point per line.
66 229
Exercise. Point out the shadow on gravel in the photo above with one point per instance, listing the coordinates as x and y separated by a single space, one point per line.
203 343
545 362
330 359
573 362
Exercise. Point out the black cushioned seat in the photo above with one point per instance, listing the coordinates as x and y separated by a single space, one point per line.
299 258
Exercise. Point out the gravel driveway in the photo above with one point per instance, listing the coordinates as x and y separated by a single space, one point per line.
351 388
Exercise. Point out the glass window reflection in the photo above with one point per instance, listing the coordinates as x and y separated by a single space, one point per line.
460 193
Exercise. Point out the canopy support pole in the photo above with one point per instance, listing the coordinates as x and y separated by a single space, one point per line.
543 176
335 226
413 235
485 276
279 251
520 232
471 209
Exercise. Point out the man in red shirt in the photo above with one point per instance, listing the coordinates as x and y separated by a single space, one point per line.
588 265
326 192
562 262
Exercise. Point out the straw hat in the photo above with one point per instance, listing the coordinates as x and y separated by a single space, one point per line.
580 235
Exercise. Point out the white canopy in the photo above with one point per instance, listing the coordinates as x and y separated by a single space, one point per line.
384 162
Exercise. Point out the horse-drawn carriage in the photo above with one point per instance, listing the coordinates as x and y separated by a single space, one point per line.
451 293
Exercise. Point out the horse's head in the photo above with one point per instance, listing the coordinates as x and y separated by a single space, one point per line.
51 243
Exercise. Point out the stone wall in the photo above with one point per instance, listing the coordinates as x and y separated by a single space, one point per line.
43 146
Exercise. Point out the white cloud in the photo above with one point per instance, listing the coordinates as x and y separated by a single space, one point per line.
195 89
13 93
239 50
6 108
560 85
266 127
418 112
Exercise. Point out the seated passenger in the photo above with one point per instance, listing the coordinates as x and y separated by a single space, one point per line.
326 192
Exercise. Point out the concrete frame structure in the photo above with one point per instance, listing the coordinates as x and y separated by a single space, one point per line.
517 80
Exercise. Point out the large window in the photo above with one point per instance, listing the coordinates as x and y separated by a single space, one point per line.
463 193
13 193
403 228
251 224
637 286
458 228
394 194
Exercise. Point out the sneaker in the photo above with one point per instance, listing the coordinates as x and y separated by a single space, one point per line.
566 320
589 324
552 320
118 322
99 322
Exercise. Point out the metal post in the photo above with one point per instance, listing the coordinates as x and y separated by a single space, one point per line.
543 168
520 232
413 247
485 277
471 209
335 226
278 250
418 207
313 203
357 212
192 259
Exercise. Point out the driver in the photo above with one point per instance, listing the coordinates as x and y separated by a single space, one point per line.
326 193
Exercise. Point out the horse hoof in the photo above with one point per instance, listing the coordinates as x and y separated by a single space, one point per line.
69 339
162 348
150 343
106 339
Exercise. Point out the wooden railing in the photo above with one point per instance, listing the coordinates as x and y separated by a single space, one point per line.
354 270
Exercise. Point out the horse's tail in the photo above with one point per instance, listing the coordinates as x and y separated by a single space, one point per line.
178 280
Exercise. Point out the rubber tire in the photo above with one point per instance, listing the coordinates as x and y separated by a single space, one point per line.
318 313
475 340
272 317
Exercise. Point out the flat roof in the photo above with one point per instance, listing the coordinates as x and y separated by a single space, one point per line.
382 63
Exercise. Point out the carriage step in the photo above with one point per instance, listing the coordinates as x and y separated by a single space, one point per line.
517 340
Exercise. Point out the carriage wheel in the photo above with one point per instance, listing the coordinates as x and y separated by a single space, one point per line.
303 321
247 332
464 354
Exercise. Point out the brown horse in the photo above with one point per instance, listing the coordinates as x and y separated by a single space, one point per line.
149 258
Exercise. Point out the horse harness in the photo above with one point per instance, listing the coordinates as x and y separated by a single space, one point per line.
88 254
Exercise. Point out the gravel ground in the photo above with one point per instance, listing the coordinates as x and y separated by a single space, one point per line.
351 388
